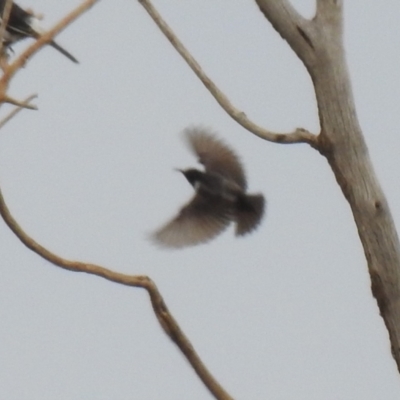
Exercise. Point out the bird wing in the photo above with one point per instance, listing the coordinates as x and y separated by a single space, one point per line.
249 212
215 155
203 218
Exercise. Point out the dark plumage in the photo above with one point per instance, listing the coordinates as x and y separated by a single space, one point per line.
219 200
21 25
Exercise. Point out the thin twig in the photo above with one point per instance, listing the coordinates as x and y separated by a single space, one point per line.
16 110
298 136
21 104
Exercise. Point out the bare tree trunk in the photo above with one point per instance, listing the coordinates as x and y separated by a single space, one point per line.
319 44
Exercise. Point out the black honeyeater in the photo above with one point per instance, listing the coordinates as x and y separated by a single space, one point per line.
23 24
220 196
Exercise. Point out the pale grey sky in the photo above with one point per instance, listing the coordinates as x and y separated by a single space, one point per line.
285 313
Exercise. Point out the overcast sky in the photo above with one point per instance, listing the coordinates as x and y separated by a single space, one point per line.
286 313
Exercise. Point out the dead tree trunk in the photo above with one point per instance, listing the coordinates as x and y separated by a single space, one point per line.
319 44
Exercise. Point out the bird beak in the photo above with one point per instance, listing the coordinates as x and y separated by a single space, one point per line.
179 170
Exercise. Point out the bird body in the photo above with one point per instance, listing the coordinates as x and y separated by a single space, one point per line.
212 184
22 24
220 196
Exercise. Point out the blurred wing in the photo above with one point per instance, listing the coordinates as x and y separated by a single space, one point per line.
215 155
249 213
198 222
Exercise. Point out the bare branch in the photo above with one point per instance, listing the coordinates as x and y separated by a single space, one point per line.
16 110
20 104
298 136
165 318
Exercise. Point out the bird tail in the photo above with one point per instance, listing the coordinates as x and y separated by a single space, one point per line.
249 212
63 51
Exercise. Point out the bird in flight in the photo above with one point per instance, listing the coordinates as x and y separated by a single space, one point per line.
23 24
220 196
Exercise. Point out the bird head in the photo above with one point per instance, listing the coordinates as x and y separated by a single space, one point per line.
192 175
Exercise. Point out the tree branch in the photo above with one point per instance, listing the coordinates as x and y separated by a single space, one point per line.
17 109
165 318
298 136
19 104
